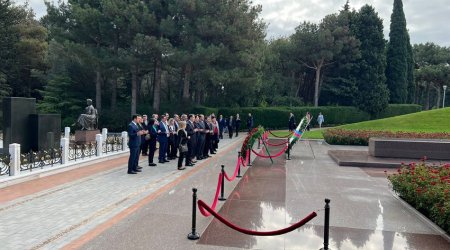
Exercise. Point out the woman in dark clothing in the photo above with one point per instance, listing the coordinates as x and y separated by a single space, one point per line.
172 152
237 124
182 134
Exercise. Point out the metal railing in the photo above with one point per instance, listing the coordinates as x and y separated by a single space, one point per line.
5 159
40 159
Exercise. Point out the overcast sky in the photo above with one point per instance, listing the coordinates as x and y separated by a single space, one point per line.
428 20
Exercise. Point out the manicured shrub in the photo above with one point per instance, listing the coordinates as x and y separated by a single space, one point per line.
427 188
361 137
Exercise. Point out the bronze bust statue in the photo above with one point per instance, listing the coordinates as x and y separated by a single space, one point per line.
88 120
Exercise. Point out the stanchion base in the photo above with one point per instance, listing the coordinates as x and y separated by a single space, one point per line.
249 164
222 199
193 236
325 248
239 176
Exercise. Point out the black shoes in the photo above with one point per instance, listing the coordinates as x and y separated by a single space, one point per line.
162 162
152 164
132 172
166 161
137 170
181 168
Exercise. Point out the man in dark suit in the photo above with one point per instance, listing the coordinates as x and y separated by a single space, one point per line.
144 141
134 135
192 139
222 124
152 142
249 122
201 140
163 138
292 123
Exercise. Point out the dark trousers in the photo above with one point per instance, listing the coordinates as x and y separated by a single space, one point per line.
230 132
220 133
162 150
237 131
192 146
134 158
151 152
144 145
207 146
200 146
183 155
172 150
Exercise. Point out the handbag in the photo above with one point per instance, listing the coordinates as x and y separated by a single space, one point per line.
183 148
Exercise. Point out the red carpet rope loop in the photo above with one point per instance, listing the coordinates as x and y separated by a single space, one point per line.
216 197
202 207
286 136
272 156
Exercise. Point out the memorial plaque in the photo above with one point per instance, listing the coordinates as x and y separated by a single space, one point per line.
46 131
16 121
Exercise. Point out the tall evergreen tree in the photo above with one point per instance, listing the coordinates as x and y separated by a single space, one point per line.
410 74
397 56
372 95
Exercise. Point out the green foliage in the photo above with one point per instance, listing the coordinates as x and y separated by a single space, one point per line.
278 117
397 56
372 95
427 188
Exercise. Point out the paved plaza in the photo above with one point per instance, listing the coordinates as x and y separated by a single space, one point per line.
101 207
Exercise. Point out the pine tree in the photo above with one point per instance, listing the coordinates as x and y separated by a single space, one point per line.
397 56
372 94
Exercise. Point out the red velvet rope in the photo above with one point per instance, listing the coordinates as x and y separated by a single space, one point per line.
202 206
272 156
275 145
216 197
287 136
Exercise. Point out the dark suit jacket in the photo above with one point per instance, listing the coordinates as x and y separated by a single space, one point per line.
222 123
292 123
134 138
162 136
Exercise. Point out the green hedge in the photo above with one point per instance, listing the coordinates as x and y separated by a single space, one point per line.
278 117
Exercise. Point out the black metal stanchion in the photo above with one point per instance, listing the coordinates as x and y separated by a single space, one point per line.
259 143
326 229
249 158
288 153
222 187
194 235
239 168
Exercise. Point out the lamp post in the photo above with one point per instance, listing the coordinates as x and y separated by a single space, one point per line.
443 99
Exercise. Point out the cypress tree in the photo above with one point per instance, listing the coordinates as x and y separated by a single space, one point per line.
410 75
372 95
397 56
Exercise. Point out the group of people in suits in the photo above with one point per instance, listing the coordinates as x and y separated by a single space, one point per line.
232 124
186 137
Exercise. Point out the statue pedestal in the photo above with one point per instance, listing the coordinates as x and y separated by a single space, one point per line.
85 136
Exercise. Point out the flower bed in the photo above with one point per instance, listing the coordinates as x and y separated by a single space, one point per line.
361 137
425 187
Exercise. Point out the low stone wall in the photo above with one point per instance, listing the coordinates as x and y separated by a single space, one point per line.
409 148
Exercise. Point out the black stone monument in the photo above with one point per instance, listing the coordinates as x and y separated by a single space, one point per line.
16 122
46 131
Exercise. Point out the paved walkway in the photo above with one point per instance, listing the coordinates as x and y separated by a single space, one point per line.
152 210
50 212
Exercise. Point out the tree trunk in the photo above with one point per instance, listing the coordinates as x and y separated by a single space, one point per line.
157 85
438 94
98 91
187 71
133 90
114 93
427 97
317 83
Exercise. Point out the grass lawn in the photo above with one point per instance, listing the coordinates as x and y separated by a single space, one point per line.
431 121
437 120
